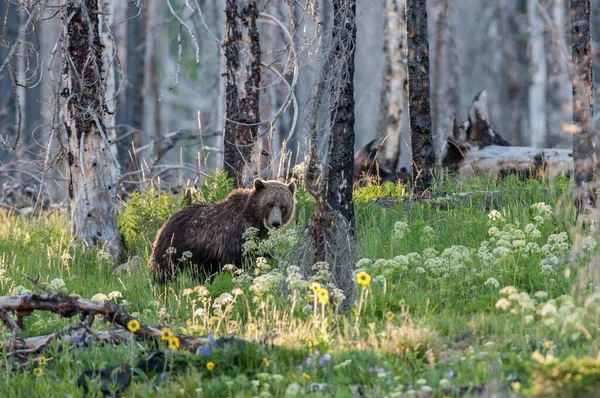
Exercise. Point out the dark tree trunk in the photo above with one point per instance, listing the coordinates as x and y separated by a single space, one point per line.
92 171
242 51
423 154
583 105
341 145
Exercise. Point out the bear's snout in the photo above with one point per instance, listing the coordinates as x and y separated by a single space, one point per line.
275 217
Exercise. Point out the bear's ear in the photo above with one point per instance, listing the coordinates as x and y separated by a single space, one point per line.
292 187
259 184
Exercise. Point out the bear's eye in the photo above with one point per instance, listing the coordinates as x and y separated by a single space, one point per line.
283 209
271 205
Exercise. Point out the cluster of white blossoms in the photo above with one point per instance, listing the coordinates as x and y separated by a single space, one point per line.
401 229
568 318
508 242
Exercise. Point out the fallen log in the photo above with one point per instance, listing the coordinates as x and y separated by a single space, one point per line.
473 147
79 334
505 160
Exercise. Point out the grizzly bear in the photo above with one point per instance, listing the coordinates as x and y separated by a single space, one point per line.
212 233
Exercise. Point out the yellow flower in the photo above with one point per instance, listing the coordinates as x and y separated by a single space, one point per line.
133 325
210 365
315 286
266 361
42 360
515 385
323 296
173 343
547 344
166 334
391 315
306 376
38 372
363 279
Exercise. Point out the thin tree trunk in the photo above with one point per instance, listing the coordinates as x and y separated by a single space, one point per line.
583 105
445 99
130 102
393 91
109 63
559 85
423 154
8 102
151 120
537 90
242 51
511 93
92 170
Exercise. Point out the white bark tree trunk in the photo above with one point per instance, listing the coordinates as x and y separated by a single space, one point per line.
151 120
92 170
537 90
445 100
559 83
109 64
393 91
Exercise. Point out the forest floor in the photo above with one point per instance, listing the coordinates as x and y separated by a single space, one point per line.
473 295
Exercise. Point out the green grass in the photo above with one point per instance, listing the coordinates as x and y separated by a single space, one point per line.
429 319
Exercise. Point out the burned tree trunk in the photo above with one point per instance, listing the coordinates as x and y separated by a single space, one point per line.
92 170
423 154
583 105
330 166
393 92
341 144
242 52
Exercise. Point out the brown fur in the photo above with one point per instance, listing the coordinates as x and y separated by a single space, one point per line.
213 232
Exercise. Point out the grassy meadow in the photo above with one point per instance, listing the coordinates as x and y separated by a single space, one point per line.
474 295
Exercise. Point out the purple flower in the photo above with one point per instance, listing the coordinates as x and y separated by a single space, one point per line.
450 374
300 368
325 359
371 369
317 353
308 360
204 349
381 370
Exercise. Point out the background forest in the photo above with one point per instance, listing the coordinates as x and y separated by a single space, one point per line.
485 285
517 50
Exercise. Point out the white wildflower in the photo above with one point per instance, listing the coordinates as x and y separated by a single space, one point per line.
202 291
492 282
508 290
115 294
588 243
100 297
548 309
495 215
401 229
503 304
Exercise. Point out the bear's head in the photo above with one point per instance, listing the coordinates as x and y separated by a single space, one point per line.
273 201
